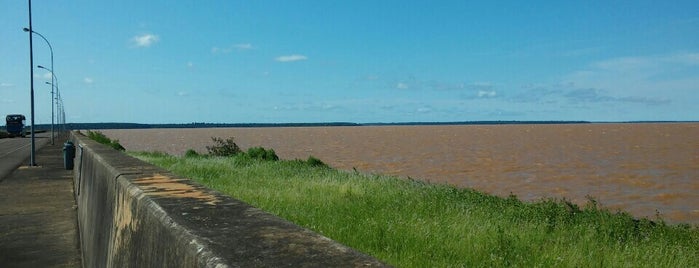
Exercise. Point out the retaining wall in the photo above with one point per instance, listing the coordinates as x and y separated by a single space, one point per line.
133 214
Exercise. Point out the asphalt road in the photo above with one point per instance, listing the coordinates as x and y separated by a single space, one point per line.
15 152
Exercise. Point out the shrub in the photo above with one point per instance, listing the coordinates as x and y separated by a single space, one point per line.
315 162
262 153
191 153
223 147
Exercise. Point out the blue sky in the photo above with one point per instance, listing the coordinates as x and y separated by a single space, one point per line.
355 61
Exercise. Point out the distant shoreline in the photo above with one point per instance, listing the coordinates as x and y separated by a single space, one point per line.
113 125
339 124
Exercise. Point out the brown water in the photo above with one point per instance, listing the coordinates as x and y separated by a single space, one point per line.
639 168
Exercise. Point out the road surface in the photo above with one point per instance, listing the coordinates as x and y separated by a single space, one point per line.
15 152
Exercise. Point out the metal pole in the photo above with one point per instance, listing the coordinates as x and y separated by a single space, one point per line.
32 159
54 80
53 84
52 113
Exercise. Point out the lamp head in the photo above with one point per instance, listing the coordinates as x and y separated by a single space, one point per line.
42 67
25 29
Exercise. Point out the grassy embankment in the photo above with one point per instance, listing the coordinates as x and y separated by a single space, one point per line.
409 223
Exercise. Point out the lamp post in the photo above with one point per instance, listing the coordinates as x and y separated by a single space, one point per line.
53 84
52 114
52 75
32 160
59 112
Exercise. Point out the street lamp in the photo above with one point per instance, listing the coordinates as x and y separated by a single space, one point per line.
32 159
60 114
52 75
52 114
53 84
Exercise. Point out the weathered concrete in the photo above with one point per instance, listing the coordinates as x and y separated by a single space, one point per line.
133 214
38 221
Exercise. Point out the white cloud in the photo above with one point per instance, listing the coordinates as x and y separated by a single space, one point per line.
88 80
245 46
229 49
144 40
487 94
6 85
182 93
190 64
46 75
424 110
624 64
686 58
402 85
291 58
641 76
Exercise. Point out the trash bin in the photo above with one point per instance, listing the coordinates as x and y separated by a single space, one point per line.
68 155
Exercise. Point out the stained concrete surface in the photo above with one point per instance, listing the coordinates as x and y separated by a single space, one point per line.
38 221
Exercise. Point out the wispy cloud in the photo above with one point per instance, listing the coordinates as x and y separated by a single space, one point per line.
88 80
401 85
291 58
570 94
6 85
46 75
685 58
307 106
651 80
487 93
592 95
229 49
372 77
479 90
246 46
144 40
424 109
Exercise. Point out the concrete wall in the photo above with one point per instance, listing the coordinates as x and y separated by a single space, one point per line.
132 214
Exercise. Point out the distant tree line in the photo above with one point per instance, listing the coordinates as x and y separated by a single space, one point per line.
40 127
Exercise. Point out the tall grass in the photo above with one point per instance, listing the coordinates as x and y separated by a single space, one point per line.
410 223
103 139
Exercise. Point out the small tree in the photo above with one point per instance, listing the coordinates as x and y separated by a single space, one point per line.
223 147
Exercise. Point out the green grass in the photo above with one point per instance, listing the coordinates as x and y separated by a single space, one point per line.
409 223
103 139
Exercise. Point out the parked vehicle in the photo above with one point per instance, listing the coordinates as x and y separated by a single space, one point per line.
15 125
